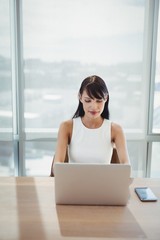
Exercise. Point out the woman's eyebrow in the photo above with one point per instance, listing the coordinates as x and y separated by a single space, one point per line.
87 97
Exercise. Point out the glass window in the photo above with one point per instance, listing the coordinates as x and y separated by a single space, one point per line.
5 68
65 41
6 159
38 157
155 163
136 151
6 147
156 107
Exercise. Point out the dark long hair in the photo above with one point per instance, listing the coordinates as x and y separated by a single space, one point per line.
95 88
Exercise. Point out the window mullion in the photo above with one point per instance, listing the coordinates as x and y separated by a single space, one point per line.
17 85
152 85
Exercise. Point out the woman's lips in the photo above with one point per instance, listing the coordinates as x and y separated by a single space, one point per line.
93 112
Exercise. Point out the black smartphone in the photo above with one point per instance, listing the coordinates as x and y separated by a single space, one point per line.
145 194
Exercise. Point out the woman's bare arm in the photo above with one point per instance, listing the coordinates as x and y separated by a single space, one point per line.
64 136
119 140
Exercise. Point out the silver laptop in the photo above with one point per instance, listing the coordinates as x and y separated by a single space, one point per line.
92 184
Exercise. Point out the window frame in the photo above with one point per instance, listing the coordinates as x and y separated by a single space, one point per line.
19 135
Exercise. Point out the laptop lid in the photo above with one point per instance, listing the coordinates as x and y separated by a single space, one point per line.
92 184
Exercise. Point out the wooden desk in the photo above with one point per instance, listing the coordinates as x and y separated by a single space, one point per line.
28 212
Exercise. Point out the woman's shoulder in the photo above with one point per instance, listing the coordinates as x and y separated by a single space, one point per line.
116 126
66 125
116 129
65 129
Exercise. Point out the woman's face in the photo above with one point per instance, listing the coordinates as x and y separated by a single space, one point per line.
92 107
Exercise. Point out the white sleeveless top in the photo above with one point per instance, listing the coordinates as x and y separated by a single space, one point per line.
90 145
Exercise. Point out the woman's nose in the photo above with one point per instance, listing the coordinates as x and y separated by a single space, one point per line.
94 105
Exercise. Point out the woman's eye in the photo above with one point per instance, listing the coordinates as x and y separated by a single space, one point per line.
100 100
87 101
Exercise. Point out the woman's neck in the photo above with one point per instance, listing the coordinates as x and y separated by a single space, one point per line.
92 123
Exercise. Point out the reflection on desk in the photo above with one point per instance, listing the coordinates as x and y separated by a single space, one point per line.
28 211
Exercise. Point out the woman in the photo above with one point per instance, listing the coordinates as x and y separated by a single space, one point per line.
90 136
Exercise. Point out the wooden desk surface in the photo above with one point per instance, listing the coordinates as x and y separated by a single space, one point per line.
28 211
